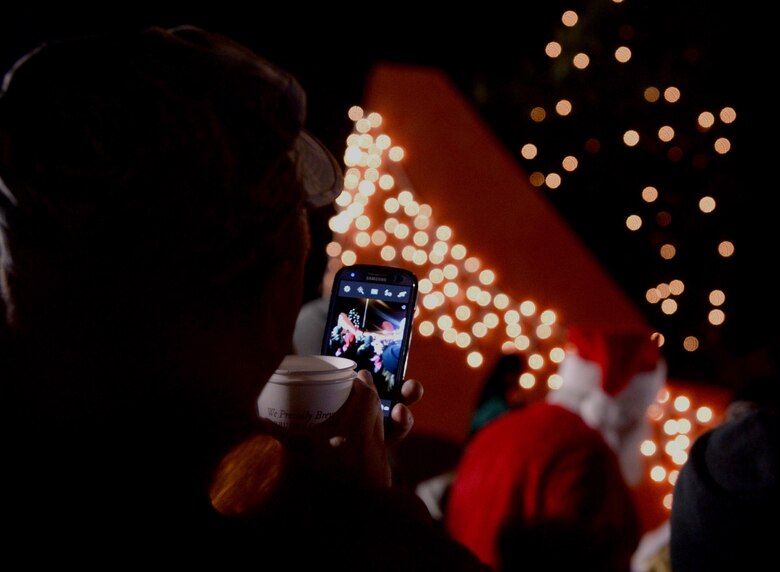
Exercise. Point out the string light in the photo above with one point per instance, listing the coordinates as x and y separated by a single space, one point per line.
379 209
675 137
461 297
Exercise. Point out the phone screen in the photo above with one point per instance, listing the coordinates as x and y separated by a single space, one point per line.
370 322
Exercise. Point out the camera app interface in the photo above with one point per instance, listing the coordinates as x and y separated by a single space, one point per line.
370 321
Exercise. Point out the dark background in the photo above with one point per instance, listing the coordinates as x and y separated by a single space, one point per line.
718 55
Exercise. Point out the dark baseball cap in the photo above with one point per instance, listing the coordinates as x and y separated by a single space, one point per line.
91 112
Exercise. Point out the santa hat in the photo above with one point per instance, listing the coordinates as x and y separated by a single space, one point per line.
610 375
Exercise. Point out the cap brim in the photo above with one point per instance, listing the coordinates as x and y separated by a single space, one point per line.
317 170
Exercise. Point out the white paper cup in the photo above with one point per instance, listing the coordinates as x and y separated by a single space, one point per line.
306 390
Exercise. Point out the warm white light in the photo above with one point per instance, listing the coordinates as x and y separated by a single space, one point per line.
581 61
633 222
535 361
569 18
557 355
631 138
649 194
672 94
388 253
527 380
563 107
728 115
704 414
658 473
375 119
553 49
451 289
472 264
426 328
717 297
722 145
383 141
348 258
726 248
362 239
669 306
553 180
479 330
463 313
668 251
522 342
463 340
666 133
444 233
528 308
511 316
691 343
682 403
513 330
396 153
378 237
450 271
528 151
501 301
355 112
623 54
706 120
458 252
386 182
716 317
487 276
474 359
707 204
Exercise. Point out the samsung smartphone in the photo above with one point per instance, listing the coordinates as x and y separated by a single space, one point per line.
370 322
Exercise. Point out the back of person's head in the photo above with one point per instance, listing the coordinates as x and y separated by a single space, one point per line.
146 170
505 373
727 495
152 194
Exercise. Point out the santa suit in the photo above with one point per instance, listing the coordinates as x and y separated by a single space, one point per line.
542 471
548 486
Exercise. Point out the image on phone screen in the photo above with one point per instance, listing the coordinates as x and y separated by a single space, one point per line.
370 324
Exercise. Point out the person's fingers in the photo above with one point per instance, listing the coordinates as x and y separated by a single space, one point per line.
401 424
411 391
362 412
355 450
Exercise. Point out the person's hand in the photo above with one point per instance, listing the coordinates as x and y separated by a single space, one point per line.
401 418
355 448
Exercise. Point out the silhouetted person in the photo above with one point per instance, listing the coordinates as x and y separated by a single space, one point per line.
727 495
153 196
498 392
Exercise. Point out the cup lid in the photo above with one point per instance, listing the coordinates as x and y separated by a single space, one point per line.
313 364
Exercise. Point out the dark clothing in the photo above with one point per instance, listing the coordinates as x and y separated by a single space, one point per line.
727 498
124 479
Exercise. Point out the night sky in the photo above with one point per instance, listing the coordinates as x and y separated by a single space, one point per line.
496 57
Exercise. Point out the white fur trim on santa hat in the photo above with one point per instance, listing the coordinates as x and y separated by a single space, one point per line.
621 419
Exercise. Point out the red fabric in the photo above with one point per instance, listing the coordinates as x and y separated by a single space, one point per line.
622 353
542 464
